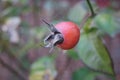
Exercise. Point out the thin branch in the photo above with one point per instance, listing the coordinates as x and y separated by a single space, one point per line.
7 49
10 53
60 74
31 45
91 8
85 18
12 69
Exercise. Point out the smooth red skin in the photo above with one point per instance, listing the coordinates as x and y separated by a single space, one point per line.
71 34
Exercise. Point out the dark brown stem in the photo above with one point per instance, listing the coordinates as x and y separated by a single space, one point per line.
34 6
10 53
61 73
6 47
85 18
12 69
91 8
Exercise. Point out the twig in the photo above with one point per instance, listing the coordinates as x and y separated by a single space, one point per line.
31 46
34 6
91 8
13 70
60 74
7 49
10 53
85 18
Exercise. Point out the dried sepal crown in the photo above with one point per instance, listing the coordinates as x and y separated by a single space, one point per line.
54 38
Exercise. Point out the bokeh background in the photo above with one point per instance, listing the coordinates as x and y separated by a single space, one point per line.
22 56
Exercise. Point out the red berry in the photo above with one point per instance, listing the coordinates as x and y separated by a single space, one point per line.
71 34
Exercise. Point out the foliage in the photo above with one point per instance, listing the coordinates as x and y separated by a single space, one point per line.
107 23
43 69
31 32
93 53
86 74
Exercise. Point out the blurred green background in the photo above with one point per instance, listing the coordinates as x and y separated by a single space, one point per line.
95 57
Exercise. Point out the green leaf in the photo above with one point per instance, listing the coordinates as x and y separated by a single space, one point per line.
107 23
43 67
12 11
23 1
93 53
77 13
84 74
73 54
42 64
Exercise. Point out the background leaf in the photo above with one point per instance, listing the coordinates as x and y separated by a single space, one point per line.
84 74
87 74
43 67
107 23
77 13
73 54
93 53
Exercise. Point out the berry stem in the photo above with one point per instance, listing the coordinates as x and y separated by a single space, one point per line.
91 8
84 20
